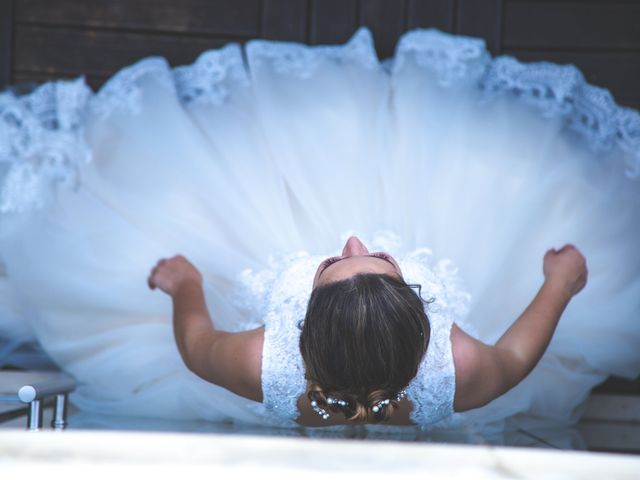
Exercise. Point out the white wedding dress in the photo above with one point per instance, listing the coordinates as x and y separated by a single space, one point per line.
466 168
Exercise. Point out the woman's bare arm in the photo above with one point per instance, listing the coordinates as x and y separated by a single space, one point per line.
231 360
485 372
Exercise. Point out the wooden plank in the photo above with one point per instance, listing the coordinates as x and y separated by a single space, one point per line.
230 17
431 13
386 21
631 101
613 408
285 20
57 51
608 2
615 437
617 71
333 21
571 25
620 386
6 41
481 18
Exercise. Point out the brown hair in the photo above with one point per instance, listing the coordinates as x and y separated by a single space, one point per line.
362 341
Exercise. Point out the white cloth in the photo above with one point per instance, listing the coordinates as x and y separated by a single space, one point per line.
488 162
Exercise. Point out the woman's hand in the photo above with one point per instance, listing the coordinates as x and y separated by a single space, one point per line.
170 274
566 268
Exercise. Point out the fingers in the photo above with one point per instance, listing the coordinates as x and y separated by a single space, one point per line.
150 279
163 262
564 248
166 270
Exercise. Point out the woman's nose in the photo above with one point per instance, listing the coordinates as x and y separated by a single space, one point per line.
354 247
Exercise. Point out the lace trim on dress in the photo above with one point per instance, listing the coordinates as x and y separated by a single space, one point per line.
41 133
454 60
555 90
208 79
561 91
42 143
299 60
122 92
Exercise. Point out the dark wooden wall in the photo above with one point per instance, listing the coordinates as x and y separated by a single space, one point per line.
46 39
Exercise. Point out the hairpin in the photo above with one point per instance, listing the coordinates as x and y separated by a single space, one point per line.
330 401
334 401
319 410
383 403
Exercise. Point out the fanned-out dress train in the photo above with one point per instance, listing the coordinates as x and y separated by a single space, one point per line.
257 162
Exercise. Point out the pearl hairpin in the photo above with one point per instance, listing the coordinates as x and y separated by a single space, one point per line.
376 408
383 403
343 403
319 410
334 401
330 401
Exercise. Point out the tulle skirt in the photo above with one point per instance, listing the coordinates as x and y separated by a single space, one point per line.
487 161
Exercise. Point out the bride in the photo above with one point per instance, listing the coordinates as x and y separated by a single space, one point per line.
365 333
460 171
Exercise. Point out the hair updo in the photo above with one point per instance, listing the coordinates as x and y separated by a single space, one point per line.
362 342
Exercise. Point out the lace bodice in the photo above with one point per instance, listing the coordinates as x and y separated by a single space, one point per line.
284 290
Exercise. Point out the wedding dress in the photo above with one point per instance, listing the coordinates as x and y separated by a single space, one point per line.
257 162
